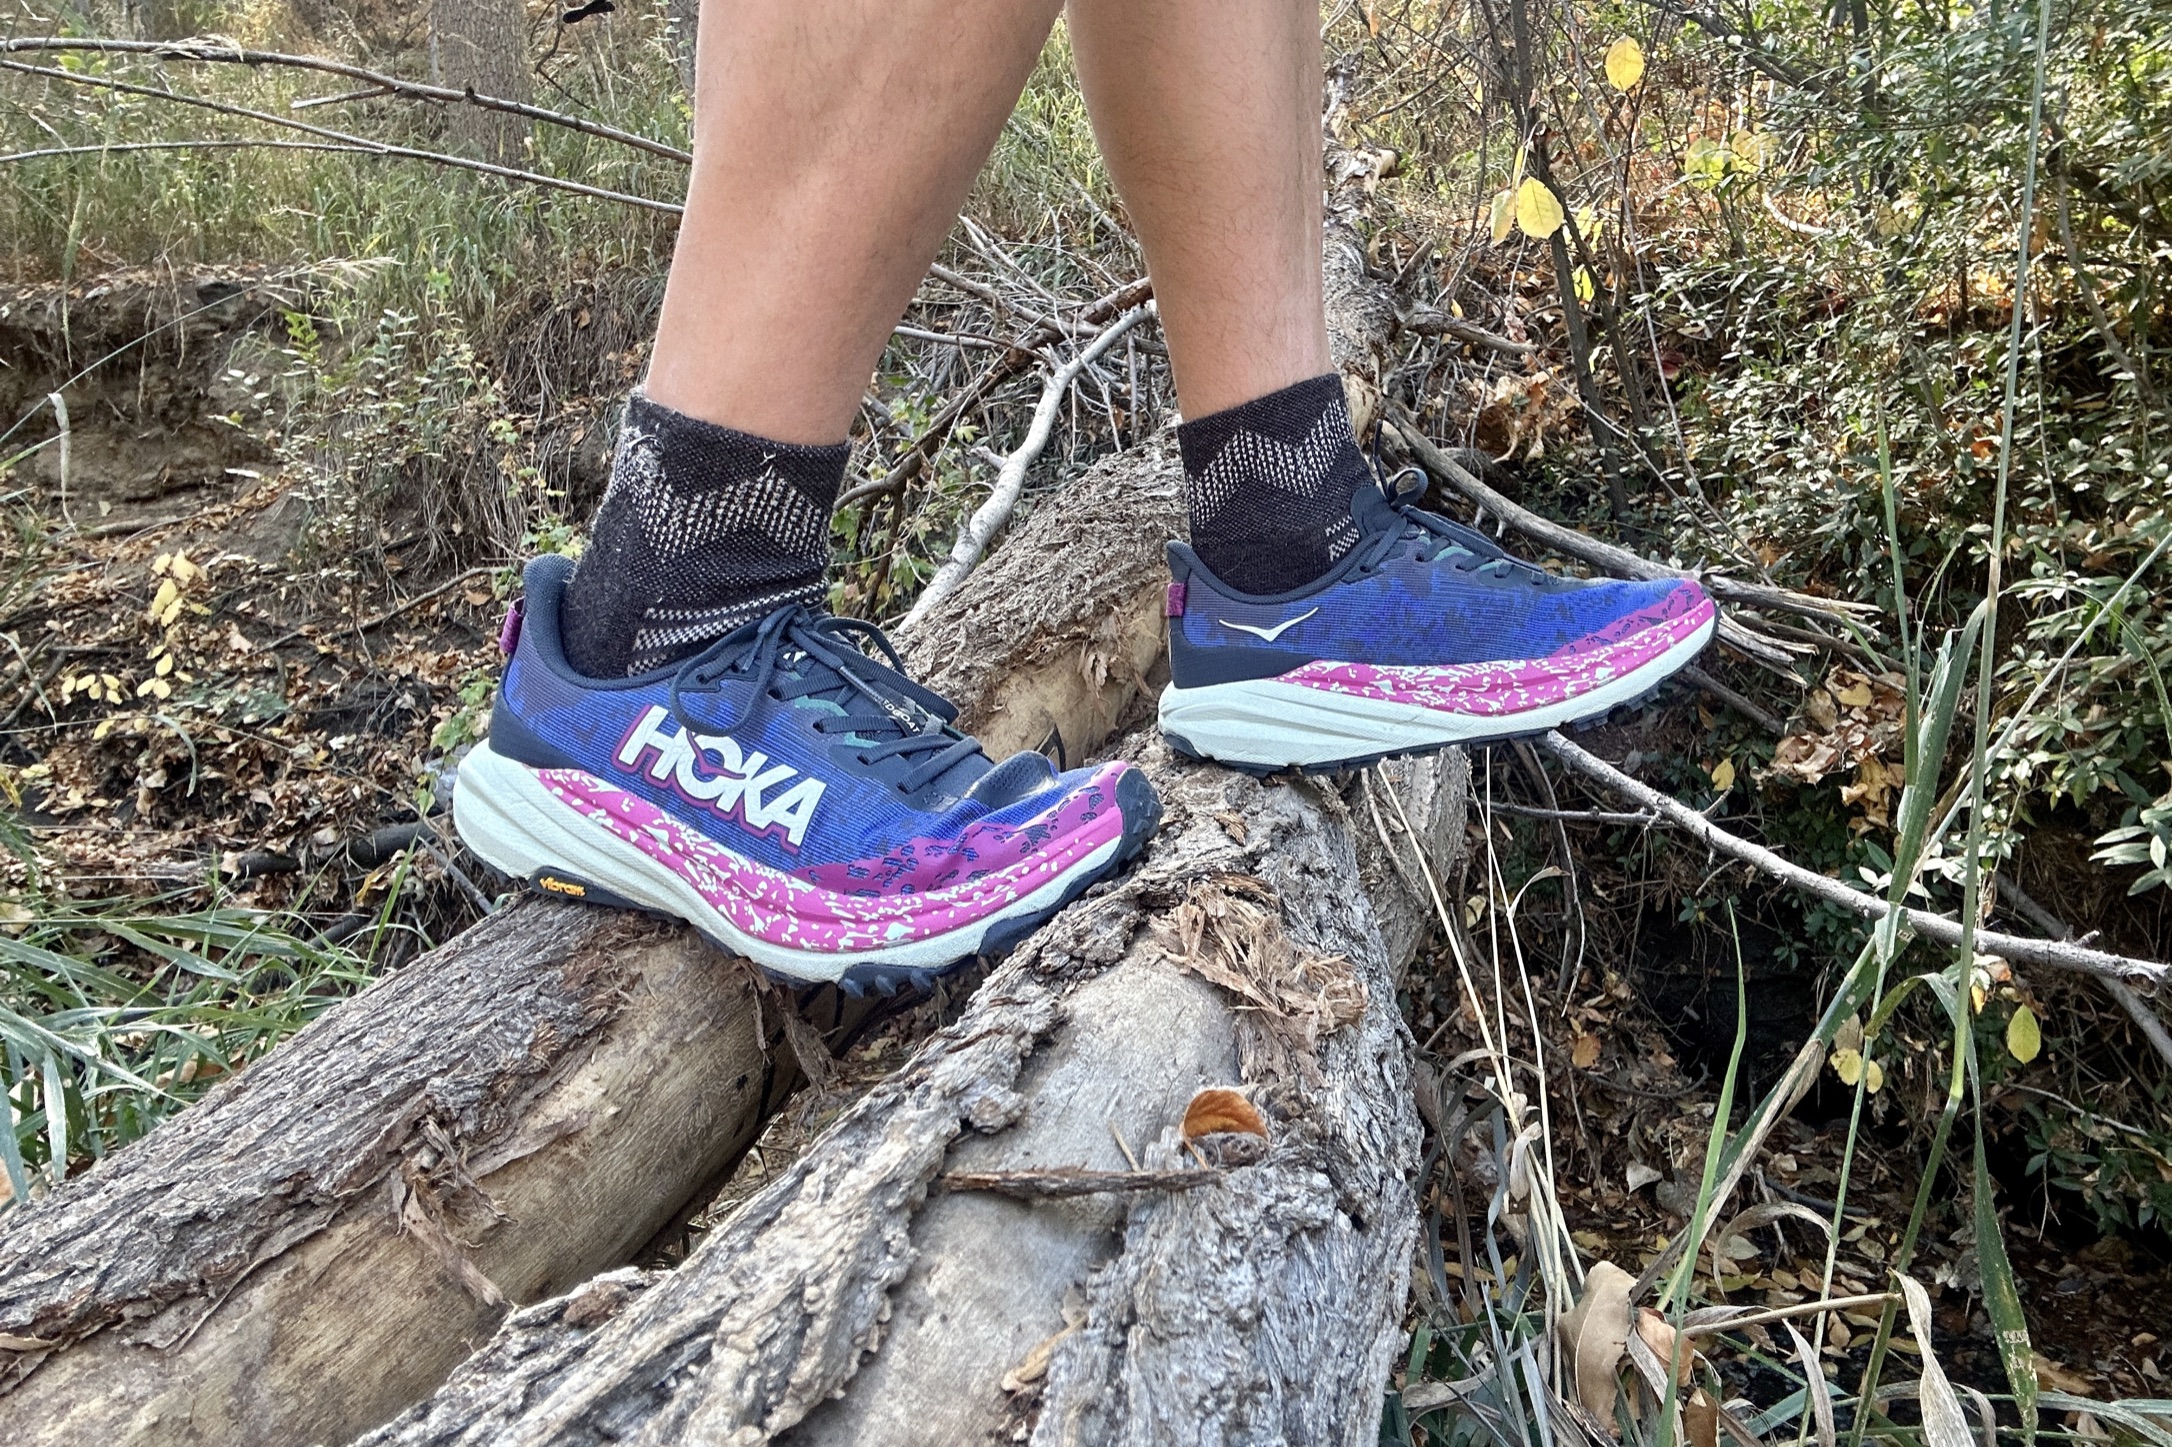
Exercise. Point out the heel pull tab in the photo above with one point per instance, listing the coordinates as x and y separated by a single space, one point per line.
1174 607
509 632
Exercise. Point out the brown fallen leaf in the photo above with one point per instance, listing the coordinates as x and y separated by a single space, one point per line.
1595 1333
1700 1419
1218 1109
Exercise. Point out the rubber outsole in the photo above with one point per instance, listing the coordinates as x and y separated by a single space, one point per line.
1185 748
1136 801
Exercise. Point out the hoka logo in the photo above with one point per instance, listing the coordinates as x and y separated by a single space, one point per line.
711 771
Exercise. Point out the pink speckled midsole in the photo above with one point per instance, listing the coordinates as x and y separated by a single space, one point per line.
523 819
1328 714
1495 690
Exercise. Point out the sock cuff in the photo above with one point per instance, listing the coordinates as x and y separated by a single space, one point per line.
1290 416
708 455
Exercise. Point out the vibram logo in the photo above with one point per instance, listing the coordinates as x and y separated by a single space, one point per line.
711 771
556 885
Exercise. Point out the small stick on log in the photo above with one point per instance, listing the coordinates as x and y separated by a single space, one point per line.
1618 561
2051 954
1063 1182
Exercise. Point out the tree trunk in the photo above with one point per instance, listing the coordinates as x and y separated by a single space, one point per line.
858 1299
482 46
1257 945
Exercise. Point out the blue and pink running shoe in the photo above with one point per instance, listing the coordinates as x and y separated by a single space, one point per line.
1424 635
798 800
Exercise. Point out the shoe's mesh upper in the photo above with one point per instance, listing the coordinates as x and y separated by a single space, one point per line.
702 529
1268 486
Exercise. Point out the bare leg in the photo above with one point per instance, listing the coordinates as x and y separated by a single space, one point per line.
1208 112
833 146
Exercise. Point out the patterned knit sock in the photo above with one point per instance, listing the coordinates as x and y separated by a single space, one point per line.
702 529
1268 486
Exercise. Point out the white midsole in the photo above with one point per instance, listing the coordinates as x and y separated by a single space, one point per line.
506 814
1271 724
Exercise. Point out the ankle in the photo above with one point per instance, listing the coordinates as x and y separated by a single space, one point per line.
702 529
1269 485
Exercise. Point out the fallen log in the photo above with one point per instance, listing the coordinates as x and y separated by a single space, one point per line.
317 1243
1257 945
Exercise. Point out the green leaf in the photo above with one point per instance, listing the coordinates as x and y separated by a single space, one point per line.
2000 1296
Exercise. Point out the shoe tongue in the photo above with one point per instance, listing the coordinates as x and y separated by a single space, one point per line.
1371 510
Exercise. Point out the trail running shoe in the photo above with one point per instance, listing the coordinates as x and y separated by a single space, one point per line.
799 801
1425 634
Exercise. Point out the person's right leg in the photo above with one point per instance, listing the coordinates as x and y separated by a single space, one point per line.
833 145
680 728
1315 621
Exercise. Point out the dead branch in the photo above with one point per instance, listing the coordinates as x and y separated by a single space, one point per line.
1618 561
1063 1182
438 158
990 516
112 147
2050 954
206 50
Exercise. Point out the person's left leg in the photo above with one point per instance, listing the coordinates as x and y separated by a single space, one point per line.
1316 621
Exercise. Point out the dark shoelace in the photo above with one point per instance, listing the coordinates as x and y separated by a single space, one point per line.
1466 549
796 653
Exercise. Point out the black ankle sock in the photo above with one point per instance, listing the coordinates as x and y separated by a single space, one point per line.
1268 486
702 529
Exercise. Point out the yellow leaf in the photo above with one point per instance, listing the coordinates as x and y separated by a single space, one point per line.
1586 289
1856 695
1873 1076
1504 214
2024 1037
165 665
1749 149
1590 223
1538 210
166 597
1848 1065
1624 64
1723 774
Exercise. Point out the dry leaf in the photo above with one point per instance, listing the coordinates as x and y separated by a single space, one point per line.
1943 1422
1659 1334
1218 1109
1596 1334
1503 214
1700 1420
1585 1052
1723 774
1624 64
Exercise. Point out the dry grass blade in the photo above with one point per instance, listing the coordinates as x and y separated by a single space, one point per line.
1815 1387
1944 1424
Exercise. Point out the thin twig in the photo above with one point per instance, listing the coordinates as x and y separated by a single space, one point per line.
461 163
373 624
1059 1182
204 50
989 517
235 144
2051 954
1619 561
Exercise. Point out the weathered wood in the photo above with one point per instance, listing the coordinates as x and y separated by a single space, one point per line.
317 1243
1257 944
